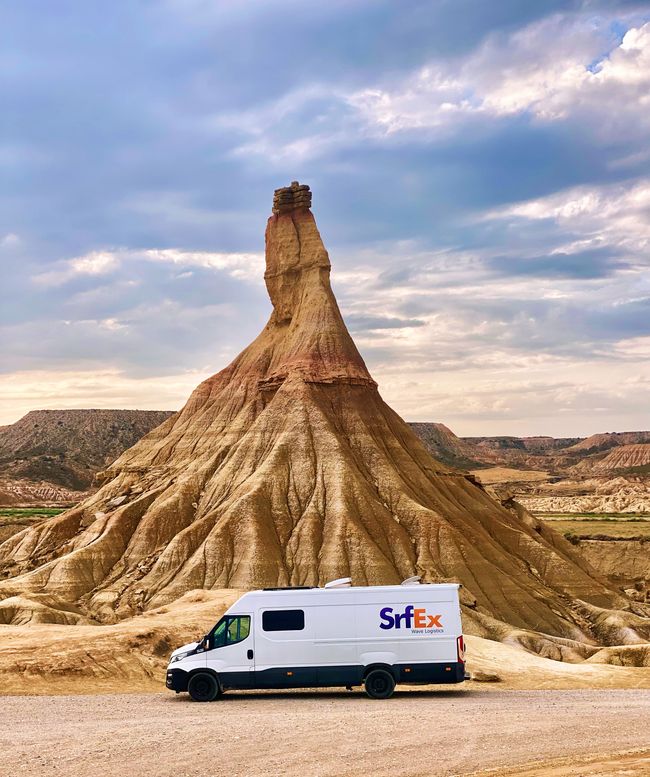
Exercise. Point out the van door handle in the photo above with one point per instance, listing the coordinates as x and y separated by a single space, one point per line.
250 654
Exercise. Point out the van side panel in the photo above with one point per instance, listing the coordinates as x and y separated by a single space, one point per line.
407 631
335 638
284 659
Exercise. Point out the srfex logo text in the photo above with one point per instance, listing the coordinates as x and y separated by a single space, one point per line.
411 618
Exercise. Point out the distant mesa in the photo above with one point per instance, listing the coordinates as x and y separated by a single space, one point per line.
53 455
288 468
606 441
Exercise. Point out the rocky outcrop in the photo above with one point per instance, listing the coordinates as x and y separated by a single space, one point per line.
445 446
290 198
288 468
589 495
27 493
624 457
608 440
598 454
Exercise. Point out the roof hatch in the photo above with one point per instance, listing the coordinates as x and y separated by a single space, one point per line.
342 582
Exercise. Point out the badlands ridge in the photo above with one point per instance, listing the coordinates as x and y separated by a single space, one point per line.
288 468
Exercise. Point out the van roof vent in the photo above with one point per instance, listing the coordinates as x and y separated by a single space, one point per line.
415 580
342 582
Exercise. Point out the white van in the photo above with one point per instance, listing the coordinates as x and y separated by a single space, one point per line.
339 635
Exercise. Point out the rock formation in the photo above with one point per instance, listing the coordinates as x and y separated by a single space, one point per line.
608 440
623 457
445 446
288 468
588 495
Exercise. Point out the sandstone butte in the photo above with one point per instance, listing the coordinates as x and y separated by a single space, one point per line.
288 468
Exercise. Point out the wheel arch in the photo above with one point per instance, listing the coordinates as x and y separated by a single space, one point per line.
205 670
386 667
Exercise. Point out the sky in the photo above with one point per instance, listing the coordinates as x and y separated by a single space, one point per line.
481 179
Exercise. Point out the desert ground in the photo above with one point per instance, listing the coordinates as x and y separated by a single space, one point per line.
417 732
85 700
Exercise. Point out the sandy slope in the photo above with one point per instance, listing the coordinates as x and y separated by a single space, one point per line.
324 734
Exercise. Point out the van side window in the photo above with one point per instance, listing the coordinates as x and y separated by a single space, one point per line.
283 620
230 630
238 629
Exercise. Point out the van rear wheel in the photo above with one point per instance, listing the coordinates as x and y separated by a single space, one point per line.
203 687
380 684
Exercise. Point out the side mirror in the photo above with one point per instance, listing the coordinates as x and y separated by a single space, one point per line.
205 642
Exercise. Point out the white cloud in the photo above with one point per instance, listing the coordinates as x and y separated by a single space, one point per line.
94 263
614 215
431 98
546 69
44 389
559 398
562 67
10 239
243 266
497 351
263 125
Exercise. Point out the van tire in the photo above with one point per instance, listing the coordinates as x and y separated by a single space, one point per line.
203 686
380 684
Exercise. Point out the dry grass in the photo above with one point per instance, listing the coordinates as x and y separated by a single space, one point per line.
628 527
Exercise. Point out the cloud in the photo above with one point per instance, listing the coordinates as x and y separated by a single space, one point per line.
94 263
481 177
245 267
358 323
552 70
597 263
248 267
10 239
24 391
612 215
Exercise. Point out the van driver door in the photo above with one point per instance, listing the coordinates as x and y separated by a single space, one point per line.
230 651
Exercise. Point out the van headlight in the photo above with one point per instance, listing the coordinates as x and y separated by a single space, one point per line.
180 657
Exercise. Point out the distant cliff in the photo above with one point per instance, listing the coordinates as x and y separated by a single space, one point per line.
64 448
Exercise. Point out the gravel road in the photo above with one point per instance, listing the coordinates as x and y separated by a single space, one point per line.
419 732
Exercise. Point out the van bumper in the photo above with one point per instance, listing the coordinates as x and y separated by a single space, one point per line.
176 680
434 674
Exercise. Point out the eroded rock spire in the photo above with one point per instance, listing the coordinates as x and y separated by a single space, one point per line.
288 468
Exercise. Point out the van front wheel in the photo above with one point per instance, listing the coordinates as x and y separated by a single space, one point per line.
380 684
203 687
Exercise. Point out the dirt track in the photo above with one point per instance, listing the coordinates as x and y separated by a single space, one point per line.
328 733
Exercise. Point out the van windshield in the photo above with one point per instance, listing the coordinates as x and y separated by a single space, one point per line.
230 630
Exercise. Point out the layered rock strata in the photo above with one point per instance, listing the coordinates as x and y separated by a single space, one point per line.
290 198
